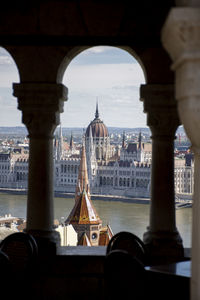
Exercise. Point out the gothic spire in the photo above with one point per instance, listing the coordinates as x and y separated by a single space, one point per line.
83 211
97 110
123 141
140 140
60 144
71 142
83 181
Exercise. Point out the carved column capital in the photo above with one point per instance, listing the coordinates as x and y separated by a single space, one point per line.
181 38
161 109
41 105
181 34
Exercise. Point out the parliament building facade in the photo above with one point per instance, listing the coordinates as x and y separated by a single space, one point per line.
125 172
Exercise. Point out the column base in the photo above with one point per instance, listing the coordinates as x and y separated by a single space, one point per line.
47 242
163 247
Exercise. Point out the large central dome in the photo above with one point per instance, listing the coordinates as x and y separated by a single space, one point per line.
97 127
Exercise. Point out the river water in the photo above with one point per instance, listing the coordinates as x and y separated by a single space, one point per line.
121 216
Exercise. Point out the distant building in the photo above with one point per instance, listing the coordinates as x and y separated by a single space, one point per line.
124 170
137 151
14 169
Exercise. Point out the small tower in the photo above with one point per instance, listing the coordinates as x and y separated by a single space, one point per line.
60 144
91 160
83 216
71 145
140 141
140 152
123 141
101 139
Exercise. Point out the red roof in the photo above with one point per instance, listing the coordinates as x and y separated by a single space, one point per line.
83 211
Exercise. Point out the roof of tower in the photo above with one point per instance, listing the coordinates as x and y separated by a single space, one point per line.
83 211
83 182
97 126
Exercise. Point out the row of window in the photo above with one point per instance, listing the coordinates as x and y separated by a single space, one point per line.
126 182
19 177
68 180
69 169
108 172
7 167
128 173
180 175
143 174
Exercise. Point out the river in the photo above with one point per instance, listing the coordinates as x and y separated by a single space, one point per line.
121 216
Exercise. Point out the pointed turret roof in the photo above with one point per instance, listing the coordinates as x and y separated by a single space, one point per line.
140 140
71 142
97 111
123 141
83 211
83 181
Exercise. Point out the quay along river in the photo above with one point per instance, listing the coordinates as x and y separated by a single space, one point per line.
122 216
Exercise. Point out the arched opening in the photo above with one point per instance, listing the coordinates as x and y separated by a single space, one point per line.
13 151
114 79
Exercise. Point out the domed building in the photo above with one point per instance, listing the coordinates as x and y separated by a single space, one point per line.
97 138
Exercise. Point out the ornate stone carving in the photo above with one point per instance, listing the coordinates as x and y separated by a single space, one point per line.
181 35
181 38
41 105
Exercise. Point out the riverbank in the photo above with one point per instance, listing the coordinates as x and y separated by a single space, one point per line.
107 198
93 196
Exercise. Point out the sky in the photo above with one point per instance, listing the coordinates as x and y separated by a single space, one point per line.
107 74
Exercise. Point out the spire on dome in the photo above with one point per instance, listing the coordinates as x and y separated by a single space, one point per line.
97 110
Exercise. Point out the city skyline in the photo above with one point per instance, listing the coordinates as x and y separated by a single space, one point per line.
108 74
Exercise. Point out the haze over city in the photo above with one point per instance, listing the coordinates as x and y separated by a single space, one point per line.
108 74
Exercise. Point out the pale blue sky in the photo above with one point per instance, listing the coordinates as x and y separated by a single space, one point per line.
110 74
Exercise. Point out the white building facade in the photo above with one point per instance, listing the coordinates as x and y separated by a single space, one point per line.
128 175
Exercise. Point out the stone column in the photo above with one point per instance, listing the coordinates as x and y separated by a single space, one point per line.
181 38
41 104
162 238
